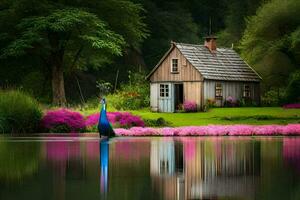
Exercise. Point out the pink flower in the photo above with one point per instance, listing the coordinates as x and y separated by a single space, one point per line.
189 106
73 120
293 105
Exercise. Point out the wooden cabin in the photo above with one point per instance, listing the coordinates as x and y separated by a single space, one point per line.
191 72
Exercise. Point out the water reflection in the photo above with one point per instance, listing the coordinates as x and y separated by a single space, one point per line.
151 168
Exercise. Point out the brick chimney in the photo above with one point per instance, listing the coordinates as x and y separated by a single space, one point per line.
211 43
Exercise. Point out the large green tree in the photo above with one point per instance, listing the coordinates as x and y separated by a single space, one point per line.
271 41
69 35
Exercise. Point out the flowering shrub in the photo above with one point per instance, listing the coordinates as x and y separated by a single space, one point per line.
119 119
231 101
63 120
293 105
189 106
213 130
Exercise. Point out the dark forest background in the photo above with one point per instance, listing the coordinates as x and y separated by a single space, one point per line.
52 48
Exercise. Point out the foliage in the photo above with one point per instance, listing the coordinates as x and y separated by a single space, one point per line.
68 36
190 106
271 43
293 88
134 95
247 102
273 97
103 87
209 103
63 121
159 122
19 113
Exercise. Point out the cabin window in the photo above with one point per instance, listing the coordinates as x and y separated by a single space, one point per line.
164 90
174 66
218 90
247 92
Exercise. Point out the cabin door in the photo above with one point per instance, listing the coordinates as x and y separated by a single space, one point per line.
166 100
178 96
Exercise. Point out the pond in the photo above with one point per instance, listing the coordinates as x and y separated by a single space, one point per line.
61 168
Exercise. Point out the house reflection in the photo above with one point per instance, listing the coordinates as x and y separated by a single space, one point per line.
204 169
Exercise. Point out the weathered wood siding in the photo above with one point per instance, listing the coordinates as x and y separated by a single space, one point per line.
186 71
154 93
234 89
192 92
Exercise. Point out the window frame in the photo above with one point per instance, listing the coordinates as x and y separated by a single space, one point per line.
164 90
247 92
218 91
177 66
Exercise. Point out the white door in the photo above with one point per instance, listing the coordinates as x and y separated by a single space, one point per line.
166 97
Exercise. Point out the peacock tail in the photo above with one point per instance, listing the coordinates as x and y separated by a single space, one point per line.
104 127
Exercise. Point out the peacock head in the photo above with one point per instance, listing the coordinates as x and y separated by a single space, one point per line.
103 101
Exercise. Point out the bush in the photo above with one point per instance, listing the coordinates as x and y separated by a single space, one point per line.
63 121
132 96
273 97
159 122
190 106
231 102
293 88
19 113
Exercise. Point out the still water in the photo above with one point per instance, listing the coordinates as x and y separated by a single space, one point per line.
59 168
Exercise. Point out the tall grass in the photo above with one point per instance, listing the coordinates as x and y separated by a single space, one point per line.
19 113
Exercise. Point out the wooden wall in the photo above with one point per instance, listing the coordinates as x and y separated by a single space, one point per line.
192 92
186 71
230 88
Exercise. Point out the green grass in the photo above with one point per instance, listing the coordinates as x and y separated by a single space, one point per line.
257 115
244 115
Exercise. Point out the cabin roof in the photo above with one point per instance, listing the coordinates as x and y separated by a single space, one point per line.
223 64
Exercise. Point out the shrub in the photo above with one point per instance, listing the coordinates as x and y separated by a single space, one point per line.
189 106
159 122
231 102
63 120
132 96
273 97
19 113
293 88
210 103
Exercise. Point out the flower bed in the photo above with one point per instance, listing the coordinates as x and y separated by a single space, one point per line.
66 121
293 105
214 130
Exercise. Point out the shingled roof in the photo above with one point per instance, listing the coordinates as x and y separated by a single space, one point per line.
222 64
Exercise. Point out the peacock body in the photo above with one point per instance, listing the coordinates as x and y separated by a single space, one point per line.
104 127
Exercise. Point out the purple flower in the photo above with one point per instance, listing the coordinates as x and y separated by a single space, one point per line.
293 105
71 119
189 106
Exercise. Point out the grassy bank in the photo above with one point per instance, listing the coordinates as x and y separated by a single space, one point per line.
259 116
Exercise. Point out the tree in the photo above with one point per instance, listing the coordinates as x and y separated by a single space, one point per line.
271 41
69 35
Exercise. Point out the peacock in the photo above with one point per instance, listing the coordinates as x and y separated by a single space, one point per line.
104 127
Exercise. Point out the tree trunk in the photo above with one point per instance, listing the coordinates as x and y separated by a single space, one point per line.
58 86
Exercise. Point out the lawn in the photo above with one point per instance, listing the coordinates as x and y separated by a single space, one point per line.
245 115
257 115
